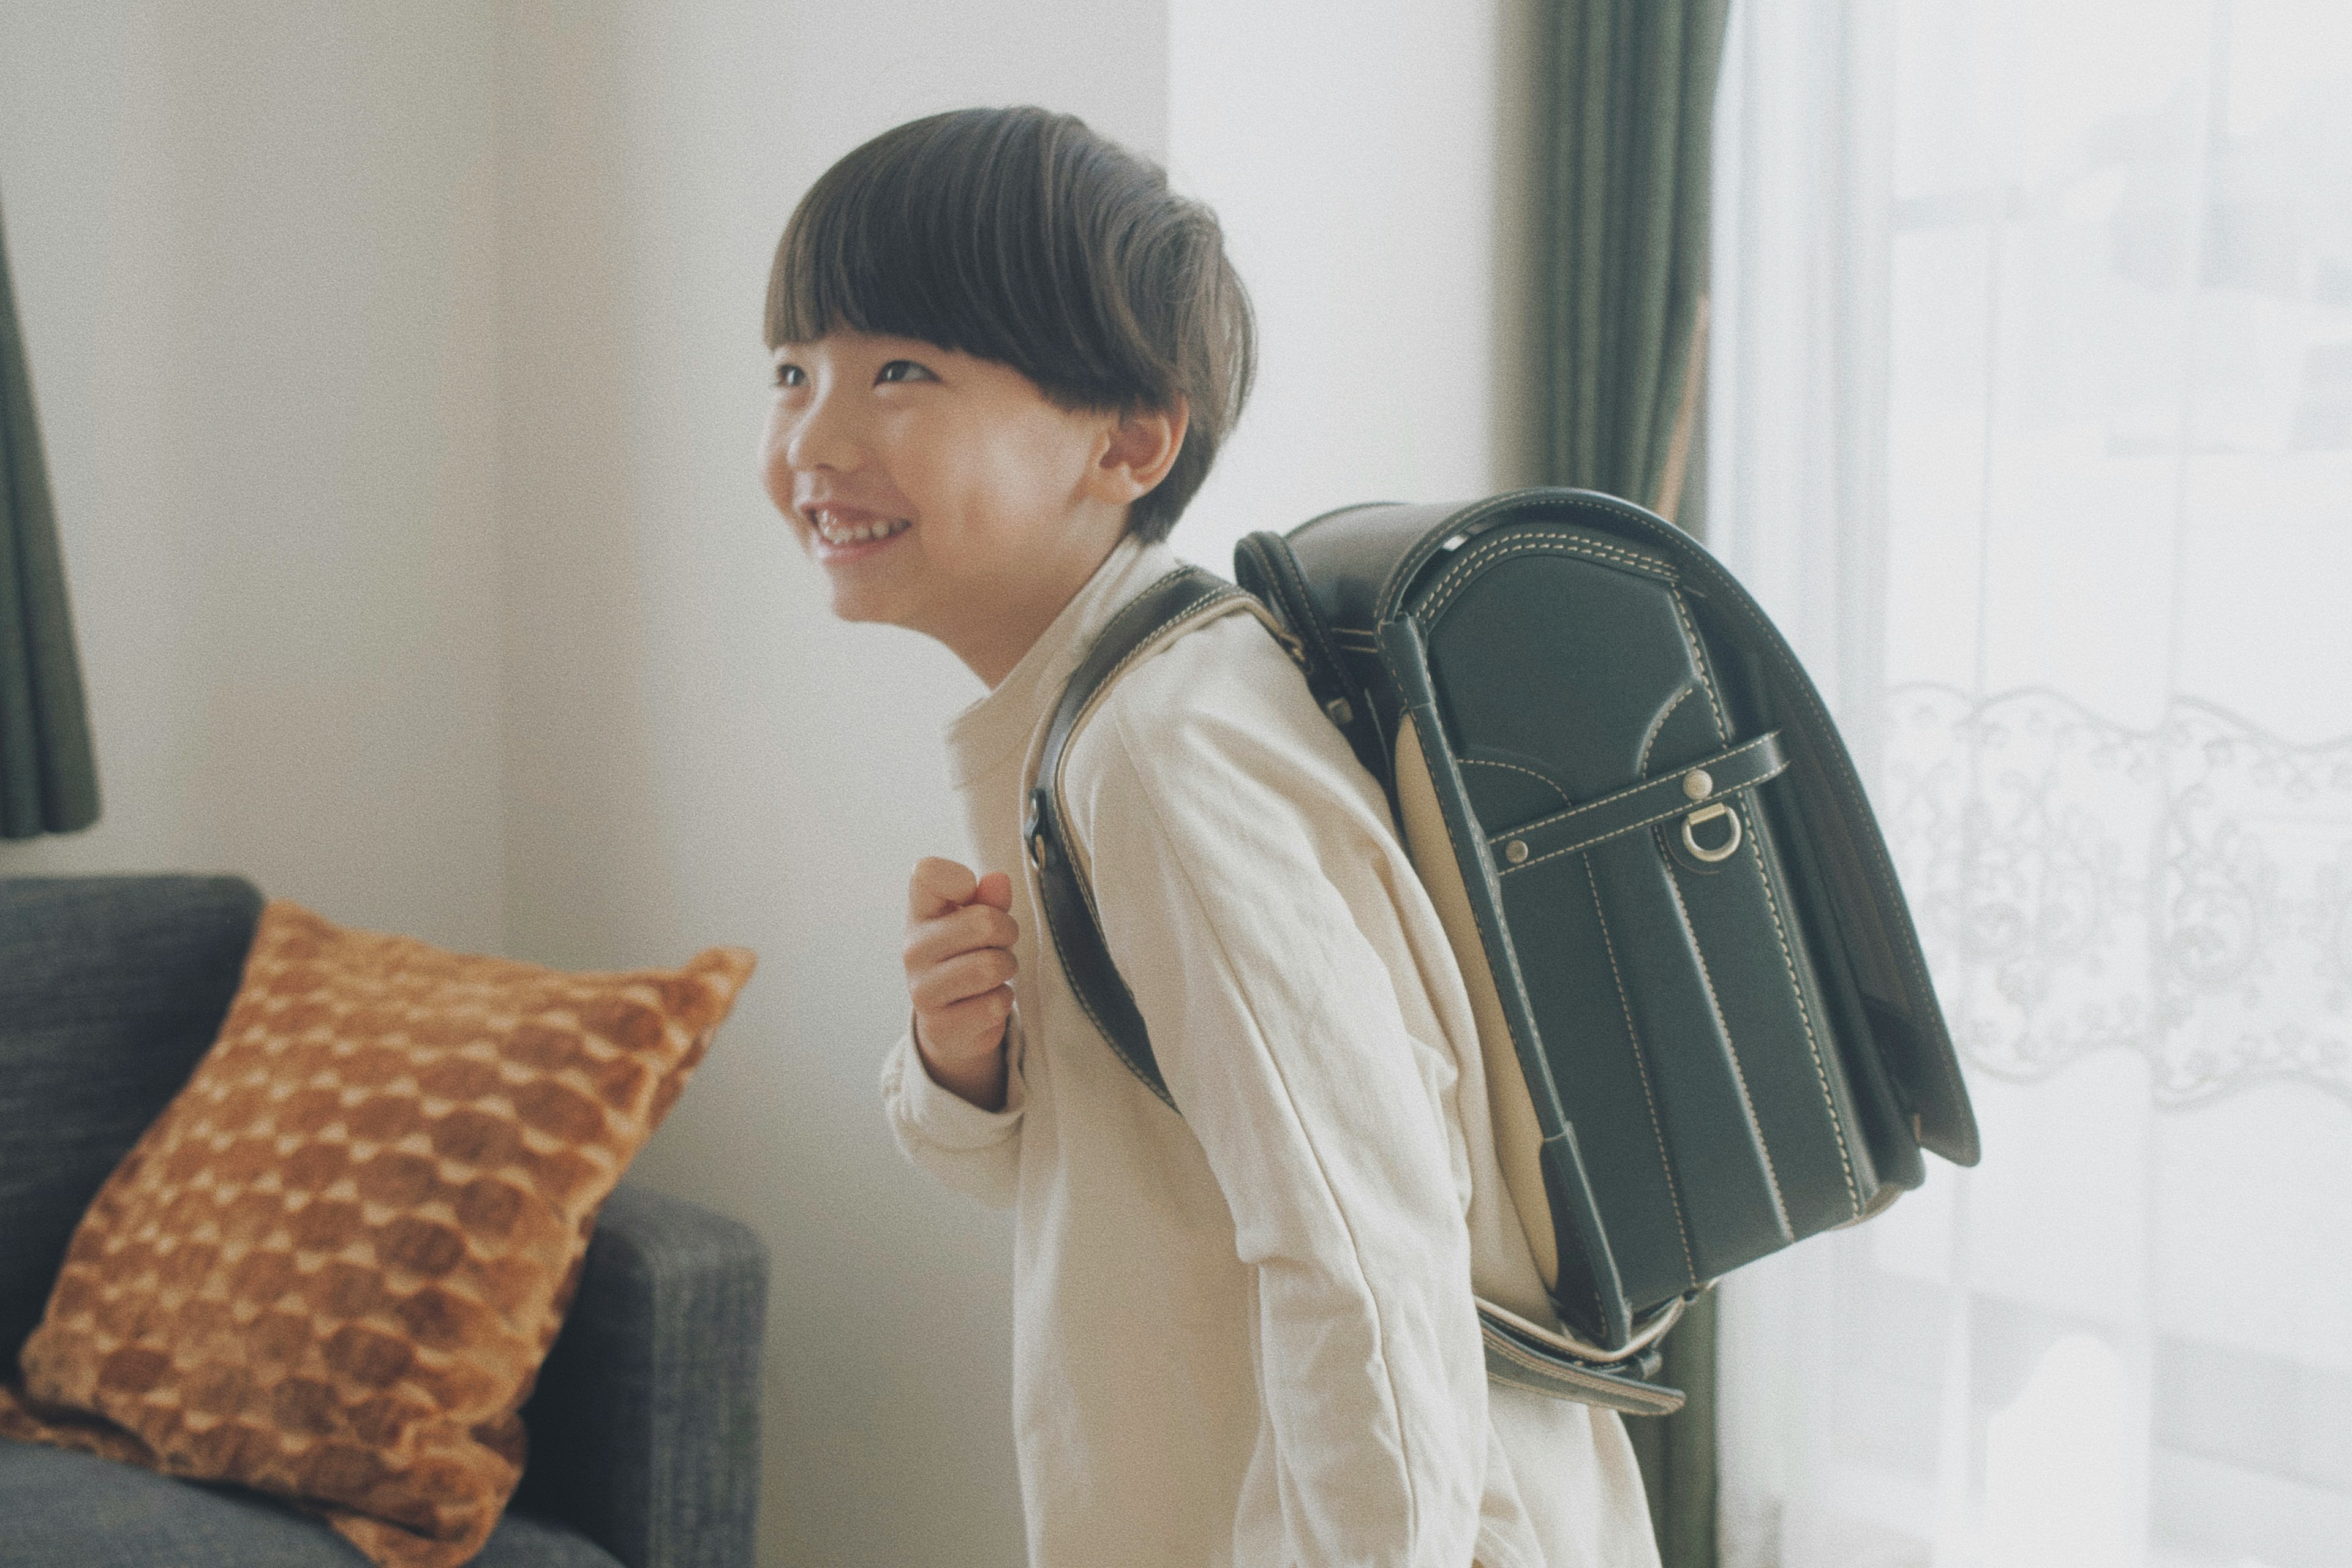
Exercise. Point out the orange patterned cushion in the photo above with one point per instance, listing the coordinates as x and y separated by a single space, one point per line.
332 1266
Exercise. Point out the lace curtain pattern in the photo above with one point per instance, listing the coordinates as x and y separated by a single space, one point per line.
2184 891
2032 427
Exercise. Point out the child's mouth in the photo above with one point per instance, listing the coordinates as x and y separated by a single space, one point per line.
845 538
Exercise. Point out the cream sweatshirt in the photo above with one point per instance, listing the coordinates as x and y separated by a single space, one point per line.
1246 1335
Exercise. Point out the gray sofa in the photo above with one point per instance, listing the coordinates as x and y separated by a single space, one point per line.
645 1427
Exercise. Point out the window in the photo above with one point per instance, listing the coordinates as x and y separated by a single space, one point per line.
2033 424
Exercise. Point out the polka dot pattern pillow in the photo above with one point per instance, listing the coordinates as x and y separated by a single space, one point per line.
331 1268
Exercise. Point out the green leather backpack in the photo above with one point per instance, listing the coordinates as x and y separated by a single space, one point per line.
1708 1029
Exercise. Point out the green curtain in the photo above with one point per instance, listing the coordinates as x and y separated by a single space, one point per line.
48 779
1628 94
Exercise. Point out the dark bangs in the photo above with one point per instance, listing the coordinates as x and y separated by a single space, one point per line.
1021 237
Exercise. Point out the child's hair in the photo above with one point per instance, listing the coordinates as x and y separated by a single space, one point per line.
1023 236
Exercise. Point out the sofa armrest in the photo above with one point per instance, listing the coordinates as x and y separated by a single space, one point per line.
645 1425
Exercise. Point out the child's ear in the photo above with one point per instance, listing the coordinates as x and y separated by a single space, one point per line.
1139 448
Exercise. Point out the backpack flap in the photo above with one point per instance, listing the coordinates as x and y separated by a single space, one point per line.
1362 565
1848 892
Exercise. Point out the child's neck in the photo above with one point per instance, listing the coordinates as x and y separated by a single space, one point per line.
993 644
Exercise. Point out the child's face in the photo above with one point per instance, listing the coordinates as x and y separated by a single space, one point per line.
938 491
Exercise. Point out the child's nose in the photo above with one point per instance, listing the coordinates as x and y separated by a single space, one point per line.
824 437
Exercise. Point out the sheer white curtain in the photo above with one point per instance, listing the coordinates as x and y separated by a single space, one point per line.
2033 424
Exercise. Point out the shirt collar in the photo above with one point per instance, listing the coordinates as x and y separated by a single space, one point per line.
984 735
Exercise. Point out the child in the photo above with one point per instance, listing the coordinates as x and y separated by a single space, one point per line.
1005 356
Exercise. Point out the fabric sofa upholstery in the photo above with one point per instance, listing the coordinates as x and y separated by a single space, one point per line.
644 1424
110 990
65 1509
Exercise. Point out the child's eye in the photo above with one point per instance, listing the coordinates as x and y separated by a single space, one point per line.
903 370
790 375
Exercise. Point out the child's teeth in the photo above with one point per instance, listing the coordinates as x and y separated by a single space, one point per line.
856 533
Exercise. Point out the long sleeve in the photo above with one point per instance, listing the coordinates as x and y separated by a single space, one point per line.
968 1150
1245 905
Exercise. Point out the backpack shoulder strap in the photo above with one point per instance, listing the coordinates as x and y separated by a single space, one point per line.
1184 599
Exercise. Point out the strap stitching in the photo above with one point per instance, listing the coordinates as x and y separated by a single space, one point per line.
1227 595
1642 1066
1715 1005
1714 762
1224 595
1805 1016
1635 826
1698 663
1780 932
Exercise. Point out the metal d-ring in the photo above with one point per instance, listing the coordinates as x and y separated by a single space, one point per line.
1708 814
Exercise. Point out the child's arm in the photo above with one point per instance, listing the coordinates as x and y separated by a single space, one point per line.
1242 897
951 1087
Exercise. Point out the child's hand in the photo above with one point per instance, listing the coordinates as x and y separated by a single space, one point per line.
958 958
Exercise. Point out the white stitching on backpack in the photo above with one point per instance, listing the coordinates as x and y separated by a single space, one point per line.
1715 762
1483 762
1868 846
1805 1016
1634 1039
1779 932
1715 1005
1657 728
1677 810
1519 541
1698 663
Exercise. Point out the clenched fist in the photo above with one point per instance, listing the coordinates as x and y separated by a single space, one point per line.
959 957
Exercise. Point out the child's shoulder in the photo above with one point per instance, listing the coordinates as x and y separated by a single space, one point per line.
1219 707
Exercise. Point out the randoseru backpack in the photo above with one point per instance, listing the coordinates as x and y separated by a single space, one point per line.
1707 1028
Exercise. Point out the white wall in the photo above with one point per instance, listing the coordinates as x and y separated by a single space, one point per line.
511 522
1370 163
251 247
698 752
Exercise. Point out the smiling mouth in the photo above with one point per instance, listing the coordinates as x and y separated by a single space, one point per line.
840 531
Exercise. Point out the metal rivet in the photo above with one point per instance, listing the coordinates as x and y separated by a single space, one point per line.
1699 784
1516 851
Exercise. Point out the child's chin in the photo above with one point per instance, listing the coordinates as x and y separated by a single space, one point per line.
860 602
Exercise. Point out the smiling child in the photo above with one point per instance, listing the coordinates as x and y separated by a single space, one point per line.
1006 355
